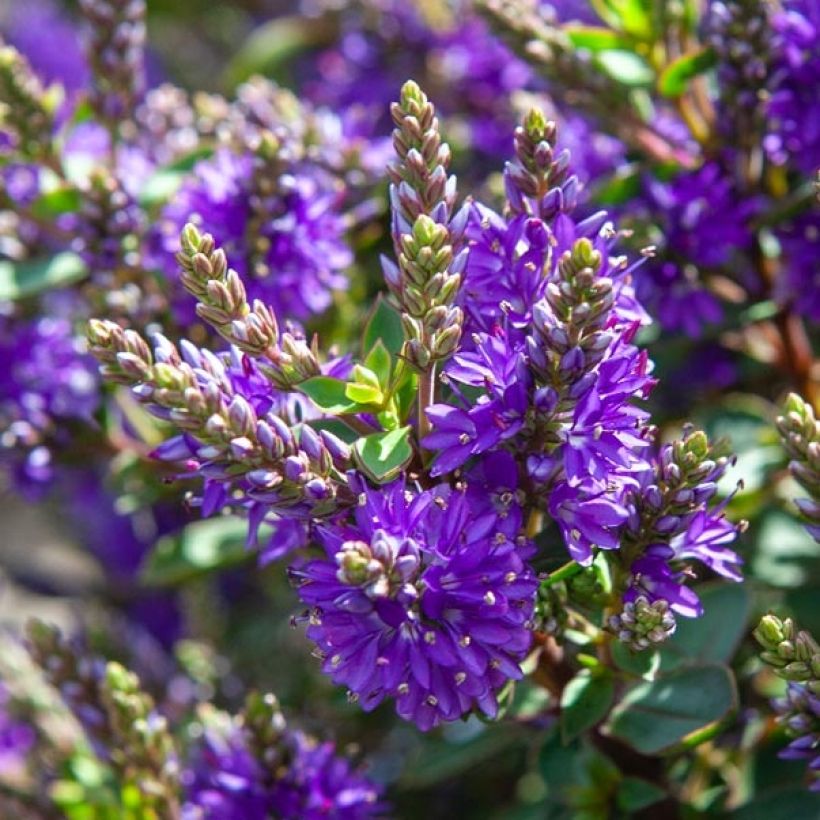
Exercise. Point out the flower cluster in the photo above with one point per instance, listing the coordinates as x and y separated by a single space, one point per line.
424 597
237 434
115 55
17 738
794 655
425 593
552 358
254 766
703 225
800 434
794 104
455 52
206 764
670 522
276 212
49 382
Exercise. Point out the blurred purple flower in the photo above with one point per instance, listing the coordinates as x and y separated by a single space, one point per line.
293 259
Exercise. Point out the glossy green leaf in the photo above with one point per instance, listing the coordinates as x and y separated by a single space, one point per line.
21 279
676 76
657 715
363 393
405 392
378 360
713 637
329 395
203 546
585 701
384 323
626 67
384 455
635 794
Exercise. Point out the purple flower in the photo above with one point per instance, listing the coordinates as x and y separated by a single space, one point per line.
704 221
654 578
422 599
705 540
17 739
495 417
799 712
288 245
503 274
473 74
794 103
481 76
33 28
48 380
679 299
798 286
672 521
589 515
226 780
236 380
320 784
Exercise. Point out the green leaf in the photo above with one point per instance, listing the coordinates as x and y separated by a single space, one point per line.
383 324
713 637
622 186
203 546
384 455
786 803
21 279
338 428
630 16
676 76
160 187
562 769
585 701
363 393
529 700
640 664
365 387
274 44
595 38
626 67
635 794
379 362
164 182
441 758
785 554
657 715
745 420
329 395
57 201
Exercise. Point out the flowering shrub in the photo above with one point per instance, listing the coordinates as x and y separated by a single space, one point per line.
522 457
